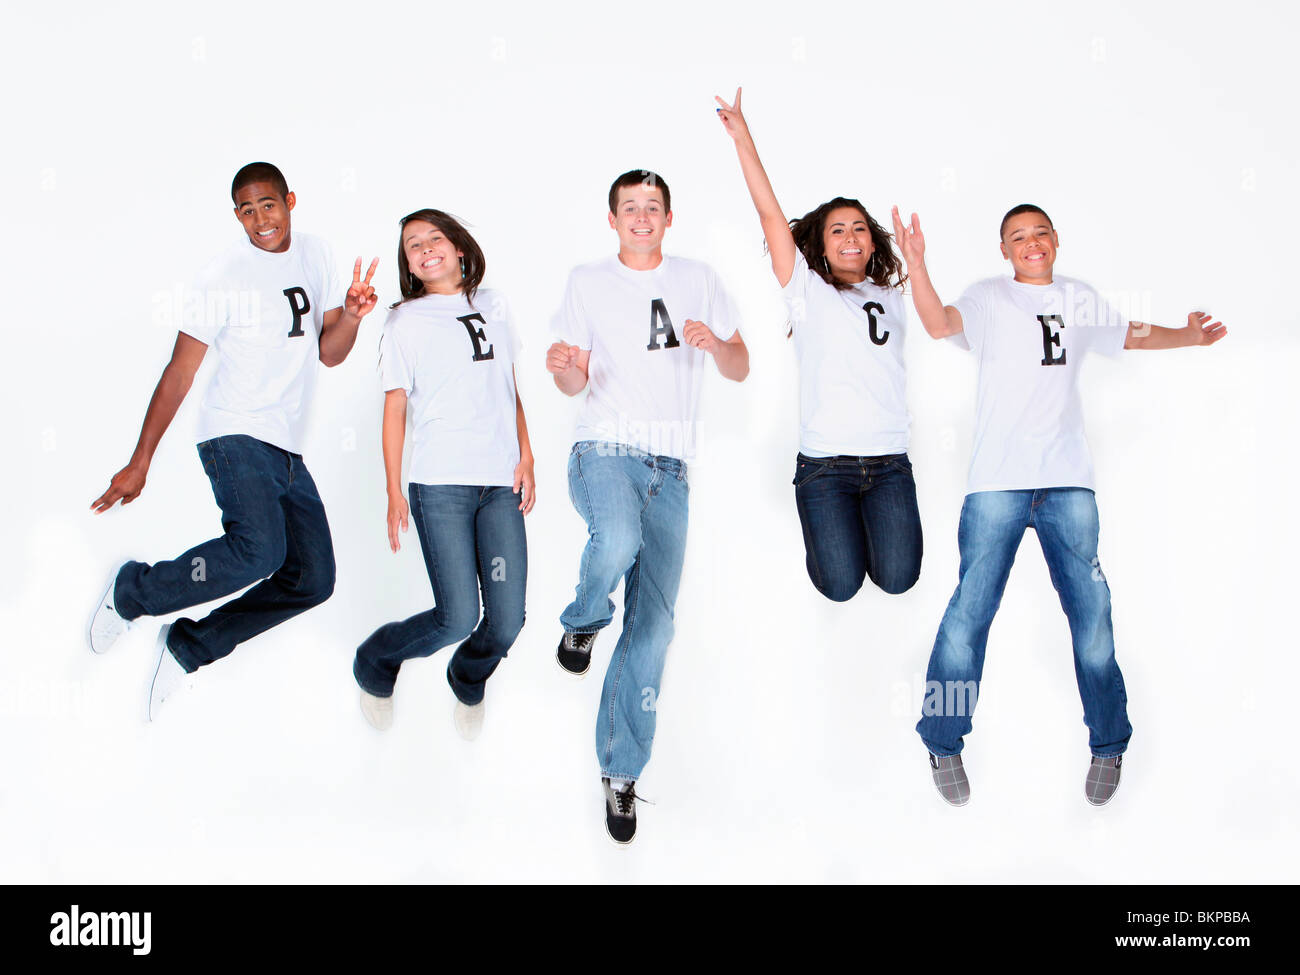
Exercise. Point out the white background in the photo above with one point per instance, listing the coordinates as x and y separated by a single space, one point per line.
1161 139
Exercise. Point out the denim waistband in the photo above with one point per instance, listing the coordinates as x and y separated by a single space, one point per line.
846 460
608 448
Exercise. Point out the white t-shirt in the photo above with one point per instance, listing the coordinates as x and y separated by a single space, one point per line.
643 380
262 313
456 364
1031 341
852 382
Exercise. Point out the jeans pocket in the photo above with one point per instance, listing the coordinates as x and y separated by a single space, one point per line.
806 468
901 464
208 458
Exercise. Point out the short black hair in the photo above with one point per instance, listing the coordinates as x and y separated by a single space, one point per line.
258 172
1016 211
640 177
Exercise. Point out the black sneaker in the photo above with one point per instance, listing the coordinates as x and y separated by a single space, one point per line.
620 812
574 652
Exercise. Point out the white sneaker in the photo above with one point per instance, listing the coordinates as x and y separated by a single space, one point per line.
169 677
469 719
378 711
106 625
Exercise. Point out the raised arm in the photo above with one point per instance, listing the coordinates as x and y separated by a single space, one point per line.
177 377
1200 330
339 325
940 320
776 229
393 439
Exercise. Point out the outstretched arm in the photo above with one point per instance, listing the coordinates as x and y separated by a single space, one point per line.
168 395
776 230
339 325
1200 330
940 320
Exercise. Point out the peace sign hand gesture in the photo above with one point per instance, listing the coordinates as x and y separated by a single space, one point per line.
361 296
733 120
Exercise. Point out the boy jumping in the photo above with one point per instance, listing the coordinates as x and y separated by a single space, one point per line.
1031 469
272 306
620 340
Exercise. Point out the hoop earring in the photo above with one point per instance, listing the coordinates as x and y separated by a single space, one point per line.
826 264
462 267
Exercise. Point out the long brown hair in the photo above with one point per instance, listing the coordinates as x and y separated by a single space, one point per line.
474 263
884 269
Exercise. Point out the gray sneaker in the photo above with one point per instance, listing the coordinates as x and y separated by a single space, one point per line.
620 812
1103 778
950 779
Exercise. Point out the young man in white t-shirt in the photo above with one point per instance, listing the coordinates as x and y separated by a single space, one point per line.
1030 469
636 331
273 307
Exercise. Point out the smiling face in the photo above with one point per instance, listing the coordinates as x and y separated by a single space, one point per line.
847 244
1029 243
431 257
640 219
264 215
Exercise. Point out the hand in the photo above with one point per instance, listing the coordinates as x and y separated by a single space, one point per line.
1202 333
126 485
910 240
698 335
361 297
560 358
399 513
525 486
732 119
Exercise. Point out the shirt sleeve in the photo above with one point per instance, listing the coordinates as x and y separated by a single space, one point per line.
207 305
1108 328
795 292
724 319
975 306
570 324
499 312
394 365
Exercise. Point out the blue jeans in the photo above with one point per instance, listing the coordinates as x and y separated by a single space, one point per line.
275 531
992 524
859 519
470 535
635 506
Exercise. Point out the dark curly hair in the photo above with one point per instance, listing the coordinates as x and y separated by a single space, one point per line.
884 269
474 261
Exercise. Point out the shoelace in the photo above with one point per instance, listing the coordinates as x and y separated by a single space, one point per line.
624 799
580 641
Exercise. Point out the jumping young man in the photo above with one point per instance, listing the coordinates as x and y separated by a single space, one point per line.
1031 469
273 306
636 330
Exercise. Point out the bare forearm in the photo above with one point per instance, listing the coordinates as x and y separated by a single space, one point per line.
521 425
733 360
776 231
1142 335
572 381
338 337
167 398
939 319
394 438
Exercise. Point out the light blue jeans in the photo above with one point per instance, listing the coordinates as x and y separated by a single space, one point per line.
635 507
992 524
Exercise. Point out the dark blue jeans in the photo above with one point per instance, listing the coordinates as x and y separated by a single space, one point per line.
275 531
471 536
859 519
